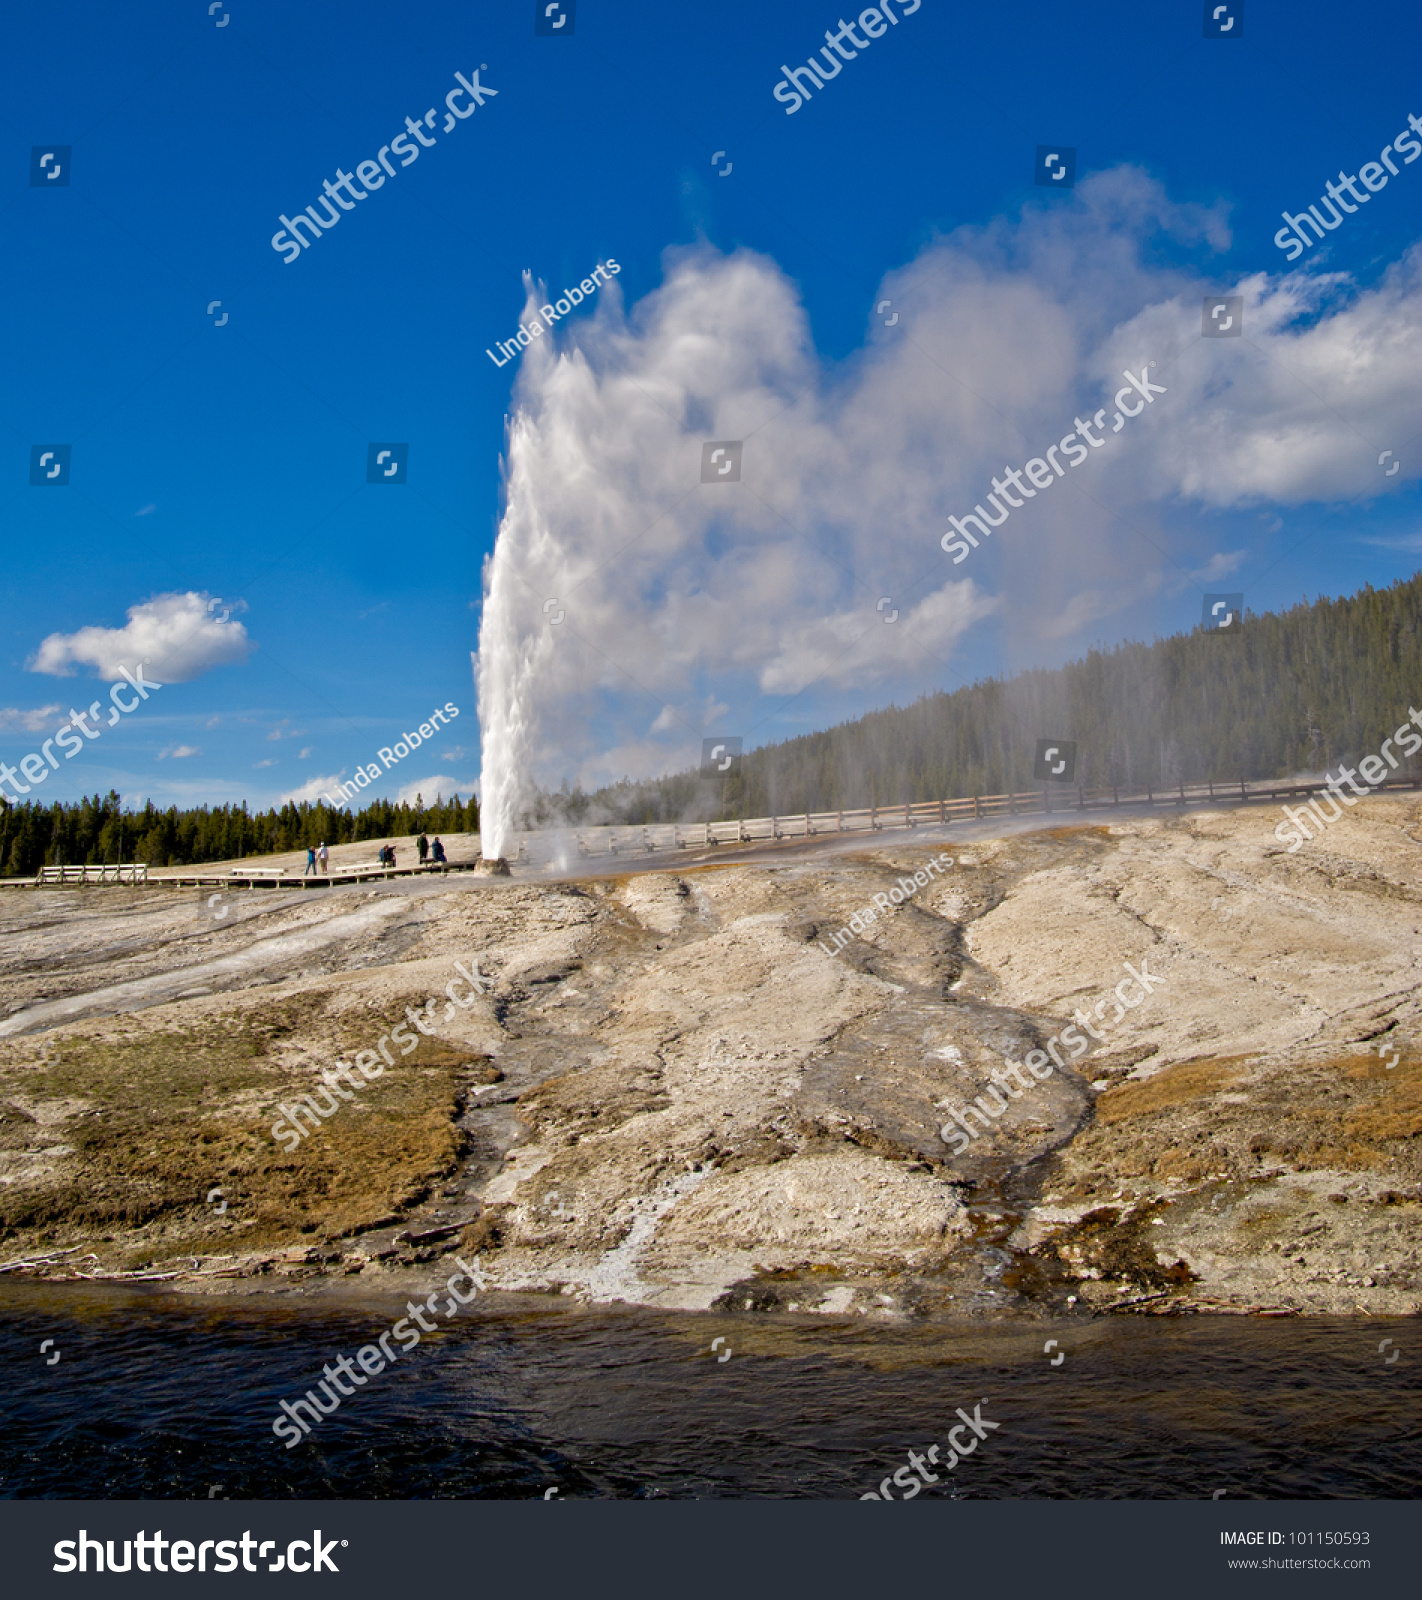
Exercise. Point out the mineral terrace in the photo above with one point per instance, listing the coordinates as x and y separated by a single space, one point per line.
673 1096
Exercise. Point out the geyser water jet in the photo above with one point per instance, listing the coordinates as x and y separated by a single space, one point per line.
510 654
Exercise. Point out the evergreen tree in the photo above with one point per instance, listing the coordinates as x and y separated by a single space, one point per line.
1289 693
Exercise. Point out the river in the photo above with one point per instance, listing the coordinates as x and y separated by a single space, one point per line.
156 1395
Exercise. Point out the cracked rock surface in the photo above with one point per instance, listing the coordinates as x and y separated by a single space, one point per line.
674 1094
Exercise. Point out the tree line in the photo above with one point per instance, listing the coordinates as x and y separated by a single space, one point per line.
102 830
1291 692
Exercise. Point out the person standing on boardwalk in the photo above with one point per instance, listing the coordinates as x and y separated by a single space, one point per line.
310 861
422 844
439 856
323 859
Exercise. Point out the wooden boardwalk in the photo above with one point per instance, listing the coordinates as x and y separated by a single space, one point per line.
1063 801
614 843
139 875
276 878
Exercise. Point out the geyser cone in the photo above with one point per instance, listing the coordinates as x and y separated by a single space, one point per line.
498 867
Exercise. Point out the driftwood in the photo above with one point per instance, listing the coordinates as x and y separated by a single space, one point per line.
47 1258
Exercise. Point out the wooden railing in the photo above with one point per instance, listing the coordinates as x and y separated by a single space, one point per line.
654 838
803 824
129 872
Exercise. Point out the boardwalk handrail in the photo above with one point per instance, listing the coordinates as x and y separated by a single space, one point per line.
655 837
96 872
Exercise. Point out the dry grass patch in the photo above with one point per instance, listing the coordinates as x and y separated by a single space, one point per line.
1184 1084
125 1130
1348 1112
1396 1112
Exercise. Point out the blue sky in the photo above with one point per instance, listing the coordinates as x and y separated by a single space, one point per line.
229 462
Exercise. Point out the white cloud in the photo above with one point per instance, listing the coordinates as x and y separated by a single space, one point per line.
844 649
32 721
1084 608
1220 565
175 636
706 715
302 755
1410 543
179 752
269 762
313 789
440 784
1296 410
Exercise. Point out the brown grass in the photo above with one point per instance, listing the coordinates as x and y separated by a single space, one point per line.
1180 1085
170 1112
1347 1112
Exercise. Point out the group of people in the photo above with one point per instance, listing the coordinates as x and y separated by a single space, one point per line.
318 857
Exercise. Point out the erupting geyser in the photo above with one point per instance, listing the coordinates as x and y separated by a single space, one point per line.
509 656
628 605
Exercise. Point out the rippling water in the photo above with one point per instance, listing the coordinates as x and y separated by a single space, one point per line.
159 1396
